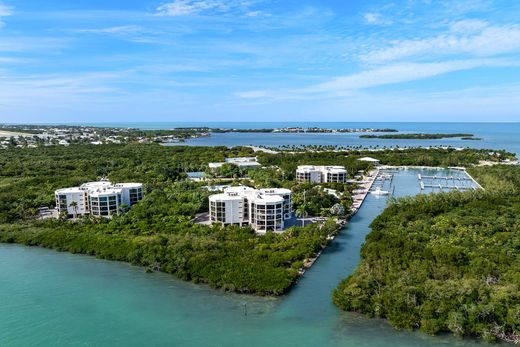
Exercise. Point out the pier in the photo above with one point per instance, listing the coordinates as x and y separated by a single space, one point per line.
365 185
447 178
449 187
460 183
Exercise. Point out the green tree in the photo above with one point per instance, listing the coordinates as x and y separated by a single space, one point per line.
301 212
229 170
74 206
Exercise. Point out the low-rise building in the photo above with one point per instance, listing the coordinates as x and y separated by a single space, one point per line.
321 174
101 198
241 162
263 209
370 160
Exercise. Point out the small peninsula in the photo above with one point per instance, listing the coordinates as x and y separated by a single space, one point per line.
445 262
414 136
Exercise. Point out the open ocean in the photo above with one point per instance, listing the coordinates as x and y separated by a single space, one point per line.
494 135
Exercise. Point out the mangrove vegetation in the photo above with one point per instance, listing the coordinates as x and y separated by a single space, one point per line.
445 262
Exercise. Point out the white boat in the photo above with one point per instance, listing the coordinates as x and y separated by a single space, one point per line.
378 191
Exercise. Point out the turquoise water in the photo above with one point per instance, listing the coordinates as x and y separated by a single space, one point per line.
59 299
494 135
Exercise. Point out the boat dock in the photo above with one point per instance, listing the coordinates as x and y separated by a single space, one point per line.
361 193
448 187
447 178
461 183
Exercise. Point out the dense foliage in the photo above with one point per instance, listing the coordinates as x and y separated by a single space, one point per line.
28 177
442 157
159 232
445 262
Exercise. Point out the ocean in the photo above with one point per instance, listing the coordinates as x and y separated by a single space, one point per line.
494 135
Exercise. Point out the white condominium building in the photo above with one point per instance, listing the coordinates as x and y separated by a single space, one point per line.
101 198
263 209
321 174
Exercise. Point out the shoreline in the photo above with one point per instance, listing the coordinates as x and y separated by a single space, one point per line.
372 175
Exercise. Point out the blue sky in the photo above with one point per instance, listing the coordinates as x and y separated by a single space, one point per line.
259 60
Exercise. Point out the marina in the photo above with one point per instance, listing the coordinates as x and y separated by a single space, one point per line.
379 182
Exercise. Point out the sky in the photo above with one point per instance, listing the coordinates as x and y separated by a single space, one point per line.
259 60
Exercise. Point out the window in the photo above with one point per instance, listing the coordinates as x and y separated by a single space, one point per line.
62 203
136 194
218 211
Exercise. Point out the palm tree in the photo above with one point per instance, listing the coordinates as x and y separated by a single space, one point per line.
74 206
301 212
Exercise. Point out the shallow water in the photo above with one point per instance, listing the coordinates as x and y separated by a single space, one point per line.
59 299
494 135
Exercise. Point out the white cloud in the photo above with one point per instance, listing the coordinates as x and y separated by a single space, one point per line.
254 13
54 91
134 33
179 8
398 73
457 7
392 74
255 94
374 18
5 11
187 7
370 17
468 26
26 44
124 29
474 38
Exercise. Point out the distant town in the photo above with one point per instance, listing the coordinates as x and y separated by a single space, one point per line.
32 136
47 135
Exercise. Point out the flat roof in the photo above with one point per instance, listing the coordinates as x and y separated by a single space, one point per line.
321 167
70 190
238 189
103 192
258 196
128 185
269 191
225 197
267 199
96 184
